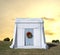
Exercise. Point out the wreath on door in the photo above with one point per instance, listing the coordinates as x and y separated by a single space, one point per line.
29 34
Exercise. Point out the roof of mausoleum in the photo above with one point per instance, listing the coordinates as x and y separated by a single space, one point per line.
29 20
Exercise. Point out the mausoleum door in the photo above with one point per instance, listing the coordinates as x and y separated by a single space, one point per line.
28 37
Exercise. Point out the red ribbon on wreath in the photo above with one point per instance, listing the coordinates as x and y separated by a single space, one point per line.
29 34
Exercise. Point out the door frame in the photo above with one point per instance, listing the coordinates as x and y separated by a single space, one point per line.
31 29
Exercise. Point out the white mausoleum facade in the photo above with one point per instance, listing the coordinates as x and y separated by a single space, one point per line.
29 33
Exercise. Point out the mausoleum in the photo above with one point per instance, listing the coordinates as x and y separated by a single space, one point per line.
29 33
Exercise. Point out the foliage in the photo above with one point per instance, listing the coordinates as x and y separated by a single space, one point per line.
11 40
55 41
7 39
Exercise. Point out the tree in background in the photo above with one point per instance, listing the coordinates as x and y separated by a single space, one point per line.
11 40
55 41
6 39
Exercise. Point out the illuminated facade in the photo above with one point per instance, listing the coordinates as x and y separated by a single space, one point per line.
29 33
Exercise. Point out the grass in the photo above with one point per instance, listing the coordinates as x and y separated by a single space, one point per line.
5 50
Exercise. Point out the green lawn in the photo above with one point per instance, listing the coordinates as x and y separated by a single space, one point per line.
5 50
